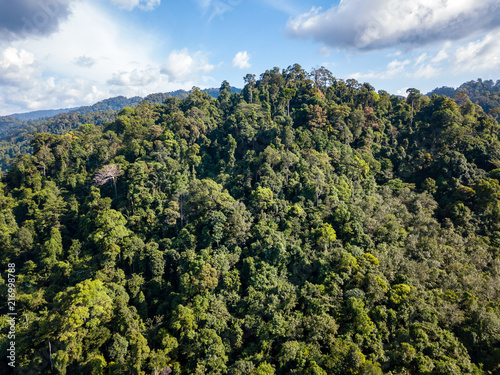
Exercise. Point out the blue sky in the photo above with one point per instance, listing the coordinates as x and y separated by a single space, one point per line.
66 53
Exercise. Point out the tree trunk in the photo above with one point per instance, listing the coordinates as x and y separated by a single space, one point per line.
50 356
411 119
116 192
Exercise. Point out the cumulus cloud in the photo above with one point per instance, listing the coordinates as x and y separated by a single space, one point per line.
21 19
242 60
24 87
74 46
31 69
49 93
69 68
135 77
181 65
141 4
370 25
17 67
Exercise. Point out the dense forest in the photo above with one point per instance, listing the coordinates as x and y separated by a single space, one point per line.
485 93
16 131
306 225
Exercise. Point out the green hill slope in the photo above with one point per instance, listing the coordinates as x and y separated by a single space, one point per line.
16 131
484 93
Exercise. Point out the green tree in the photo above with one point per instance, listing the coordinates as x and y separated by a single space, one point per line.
288 95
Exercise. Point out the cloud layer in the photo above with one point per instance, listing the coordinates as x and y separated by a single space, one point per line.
90 57
370 25
181 65
16 67
68 68
21 19
478 55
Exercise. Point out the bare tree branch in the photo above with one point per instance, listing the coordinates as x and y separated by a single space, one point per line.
108 173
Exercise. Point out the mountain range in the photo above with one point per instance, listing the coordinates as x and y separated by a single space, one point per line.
115 103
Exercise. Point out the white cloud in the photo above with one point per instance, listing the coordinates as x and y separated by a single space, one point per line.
45 93
141 4
396 66
402 92
23 86
421 58
426 71
242 60
182 66
442 55
17 67
92 57
393 69
369 25
72 66
104 44
482 54
428 66
84 61
403 69
135 77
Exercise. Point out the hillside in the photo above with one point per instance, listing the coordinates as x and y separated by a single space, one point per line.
110 104
307 225
484 93
17 130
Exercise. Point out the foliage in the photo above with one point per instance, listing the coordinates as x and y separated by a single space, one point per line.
306 225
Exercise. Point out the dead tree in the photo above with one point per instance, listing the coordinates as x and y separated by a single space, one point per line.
108 173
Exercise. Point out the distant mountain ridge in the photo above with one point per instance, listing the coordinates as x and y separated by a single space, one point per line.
35 115
114 103
17 130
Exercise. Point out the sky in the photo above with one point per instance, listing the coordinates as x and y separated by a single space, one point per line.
66 53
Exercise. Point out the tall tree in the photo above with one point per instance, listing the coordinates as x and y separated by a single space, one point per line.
250 81
413 95
108 173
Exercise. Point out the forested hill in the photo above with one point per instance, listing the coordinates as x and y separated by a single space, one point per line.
307 225
16 131
115 103
485 93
